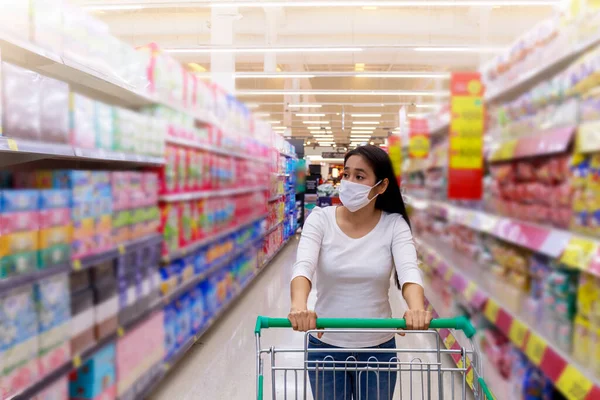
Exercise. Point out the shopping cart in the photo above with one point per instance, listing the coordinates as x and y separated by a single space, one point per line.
421 373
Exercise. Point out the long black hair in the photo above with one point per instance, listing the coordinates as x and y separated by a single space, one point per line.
391 200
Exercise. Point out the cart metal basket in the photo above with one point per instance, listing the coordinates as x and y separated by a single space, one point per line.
408 373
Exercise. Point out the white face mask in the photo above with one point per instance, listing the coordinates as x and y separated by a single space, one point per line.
355 196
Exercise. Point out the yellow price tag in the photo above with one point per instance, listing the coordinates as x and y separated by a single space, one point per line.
491 310
573 384
535 348
579 252
506 151
517 333
469 291
120 331
76 265
448 275
77 361
12 145
449 341
121 249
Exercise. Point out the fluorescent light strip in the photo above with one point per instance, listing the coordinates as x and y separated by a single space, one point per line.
310 115
343 93
434 106
316 122
404 75
272 76
265 50
461 49
312 4
365 115
365 122
364 128
305 105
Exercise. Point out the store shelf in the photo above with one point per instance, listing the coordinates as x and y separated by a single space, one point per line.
502 305
195 246
575 250
191 341
81 358
42 150
93 260
550 141
186 286
213 149
548 69
273 228
12 282
205 194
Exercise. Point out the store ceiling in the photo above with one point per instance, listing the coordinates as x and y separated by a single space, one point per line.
389 38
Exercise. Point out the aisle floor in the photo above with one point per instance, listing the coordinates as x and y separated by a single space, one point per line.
222 365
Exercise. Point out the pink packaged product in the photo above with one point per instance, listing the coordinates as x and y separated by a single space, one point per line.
82 121
19 222
21 97
54 217
54 114
120 190
140 350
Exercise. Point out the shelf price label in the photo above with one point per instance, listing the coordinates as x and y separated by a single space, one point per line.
491 310
517 333
535 348
579 253
12 145
573 384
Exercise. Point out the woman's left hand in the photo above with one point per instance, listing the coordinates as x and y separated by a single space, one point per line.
417 320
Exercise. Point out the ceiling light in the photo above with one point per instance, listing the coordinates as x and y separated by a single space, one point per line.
304 106
416 115
404 75
316 122
359 67
366 115
372 143
364 128
308 142
369 8
265 50
111 7
365 122
310 115
405 3
434 93
435 106
461 49
359 137
271 76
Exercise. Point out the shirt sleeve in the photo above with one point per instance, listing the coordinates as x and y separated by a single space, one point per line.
405 254
309 247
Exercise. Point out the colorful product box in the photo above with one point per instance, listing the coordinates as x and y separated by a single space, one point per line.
18 339
55 198
97 377
19 200
19 222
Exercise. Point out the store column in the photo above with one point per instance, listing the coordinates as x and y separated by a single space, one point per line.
222 65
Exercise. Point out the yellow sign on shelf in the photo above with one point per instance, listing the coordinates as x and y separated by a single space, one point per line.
579 252
535 348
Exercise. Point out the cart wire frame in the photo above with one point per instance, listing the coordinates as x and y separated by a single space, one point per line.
372 368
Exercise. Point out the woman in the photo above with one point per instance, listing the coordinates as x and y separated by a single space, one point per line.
354 248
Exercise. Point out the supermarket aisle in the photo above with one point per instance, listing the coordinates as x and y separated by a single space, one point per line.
222 364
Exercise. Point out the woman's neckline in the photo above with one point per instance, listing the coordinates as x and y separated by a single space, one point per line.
339 229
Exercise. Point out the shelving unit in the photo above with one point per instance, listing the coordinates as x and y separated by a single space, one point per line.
502 305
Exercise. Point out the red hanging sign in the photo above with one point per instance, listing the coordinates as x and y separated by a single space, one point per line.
465 157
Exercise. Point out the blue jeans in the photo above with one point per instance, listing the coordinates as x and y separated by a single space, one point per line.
345 385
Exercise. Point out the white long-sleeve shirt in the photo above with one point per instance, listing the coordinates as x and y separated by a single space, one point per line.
353 275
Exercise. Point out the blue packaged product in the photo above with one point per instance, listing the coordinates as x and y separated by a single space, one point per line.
200 261
183 307
18 317
198 312
209 291
95 376
170 331
19 200
53 307
55 198
70 179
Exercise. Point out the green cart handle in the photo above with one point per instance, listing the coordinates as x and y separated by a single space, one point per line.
462 323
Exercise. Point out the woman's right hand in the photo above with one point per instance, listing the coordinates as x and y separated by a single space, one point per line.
303 320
